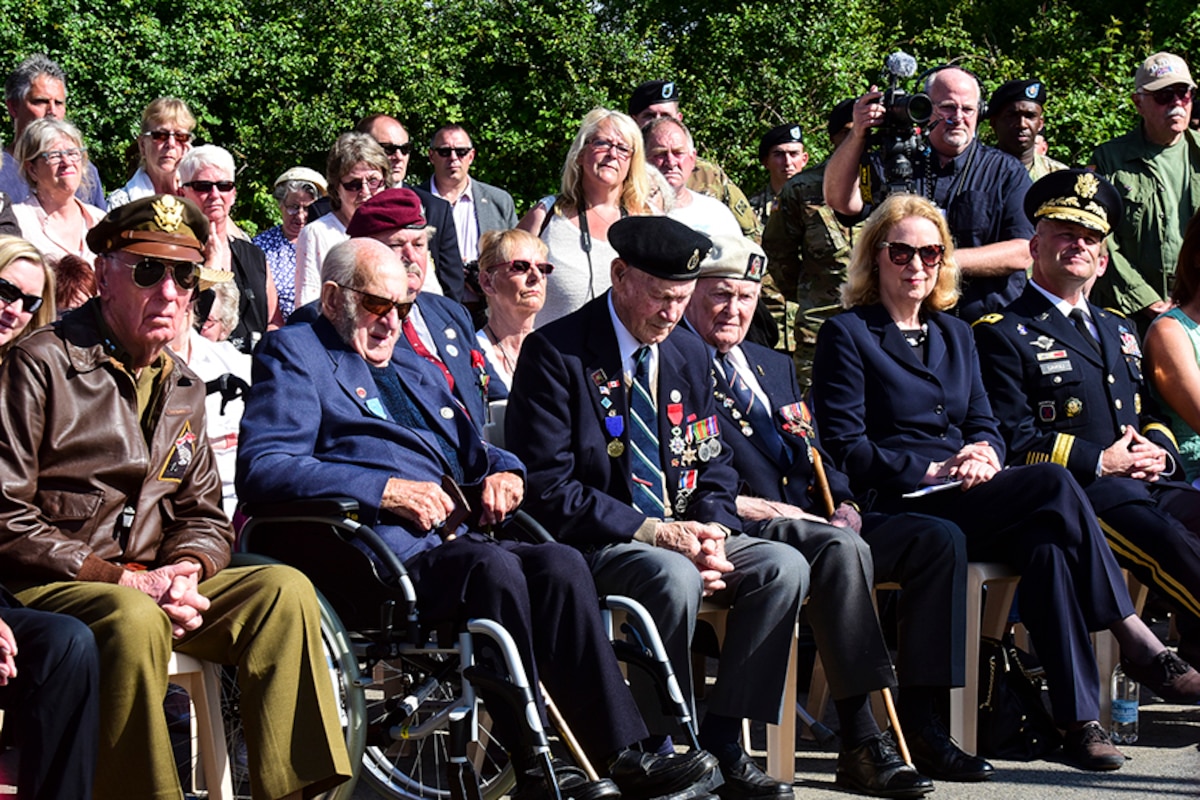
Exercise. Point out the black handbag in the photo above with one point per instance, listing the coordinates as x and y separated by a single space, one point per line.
1013 720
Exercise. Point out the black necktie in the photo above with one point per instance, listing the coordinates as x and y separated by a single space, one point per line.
1080 322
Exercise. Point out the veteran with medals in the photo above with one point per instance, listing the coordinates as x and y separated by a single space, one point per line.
110 504
1066 381
612 412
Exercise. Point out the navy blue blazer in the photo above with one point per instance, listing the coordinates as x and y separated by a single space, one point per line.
443 245
315 426
1056 397
884 415
450 326
757 463
556 424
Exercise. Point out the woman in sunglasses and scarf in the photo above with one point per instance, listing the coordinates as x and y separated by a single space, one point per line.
513 271
26 291
206 178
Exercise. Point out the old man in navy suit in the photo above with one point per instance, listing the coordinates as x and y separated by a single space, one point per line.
337 408
612 411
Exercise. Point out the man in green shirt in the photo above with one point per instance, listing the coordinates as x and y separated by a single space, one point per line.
1156 168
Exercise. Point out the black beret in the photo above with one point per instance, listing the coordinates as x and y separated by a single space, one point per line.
841 116
660 246
780 134
651 93
1075 195
163 226
1015 91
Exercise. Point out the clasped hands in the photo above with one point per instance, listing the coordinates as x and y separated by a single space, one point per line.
976 463
1133 456
175 587
703 544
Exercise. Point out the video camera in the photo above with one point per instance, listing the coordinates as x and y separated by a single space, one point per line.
901 137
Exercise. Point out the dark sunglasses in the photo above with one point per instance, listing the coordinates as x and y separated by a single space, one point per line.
521 267
149 272
356 185
204 187
161 136
901 253
11 293
1166 96
445 152
380 306
392 149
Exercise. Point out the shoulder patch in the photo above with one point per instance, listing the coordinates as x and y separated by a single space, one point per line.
988 319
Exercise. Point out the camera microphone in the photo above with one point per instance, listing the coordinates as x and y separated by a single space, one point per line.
900 64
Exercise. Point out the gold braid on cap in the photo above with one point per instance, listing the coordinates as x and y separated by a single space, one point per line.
1071 212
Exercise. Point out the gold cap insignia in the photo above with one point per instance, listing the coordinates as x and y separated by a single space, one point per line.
1087 185
694 261
168 213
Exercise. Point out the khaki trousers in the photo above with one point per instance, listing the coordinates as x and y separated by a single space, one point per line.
263 619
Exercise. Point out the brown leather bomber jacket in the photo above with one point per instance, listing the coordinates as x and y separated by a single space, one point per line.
81 494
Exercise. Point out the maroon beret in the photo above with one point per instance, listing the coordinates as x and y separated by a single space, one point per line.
387 211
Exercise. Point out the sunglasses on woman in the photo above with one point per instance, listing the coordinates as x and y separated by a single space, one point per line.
149 272
380 306
520 267
11 293
182 137
901 253
204 187
355 186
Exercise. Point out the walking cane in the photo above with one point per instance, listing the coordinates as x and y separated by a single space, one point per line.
823 486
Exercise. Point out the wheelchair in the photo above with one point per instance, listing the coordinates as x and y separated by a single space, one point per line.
406 695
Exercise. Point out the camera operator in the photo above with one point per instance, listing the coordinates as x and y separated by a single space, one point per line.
980 189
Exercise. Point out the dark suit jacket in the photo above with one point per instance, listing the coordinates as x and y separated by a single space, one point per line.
1056 397
884 415
494 207
443 245
315 426
556 424
761 472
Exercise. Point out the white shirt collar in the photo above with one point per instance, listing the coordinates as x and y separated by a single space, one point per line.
629 345
1062 305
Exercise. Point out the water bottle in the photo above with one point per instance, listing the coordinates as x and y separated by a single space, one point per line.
1124 708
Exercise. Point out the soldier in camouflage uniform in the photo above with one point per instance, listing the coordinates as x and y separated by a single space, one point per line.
808 250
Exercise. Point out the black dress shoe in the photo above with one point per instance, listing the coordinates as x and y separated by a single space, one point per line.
646 775
745 781
935 754
875 768
573 784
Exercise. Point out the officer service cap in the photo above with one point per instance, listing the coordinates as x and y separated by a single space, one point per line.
1160 71
163 226
651 93
387 211
734 257
789 133
1075 195
1021 89
660 246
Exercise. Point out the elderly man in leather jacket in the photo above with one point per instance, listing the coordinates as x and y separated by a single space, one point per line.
110 512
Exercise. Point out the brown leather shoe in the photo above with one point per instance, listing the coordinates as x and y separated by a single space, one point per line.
1168 676
1090 748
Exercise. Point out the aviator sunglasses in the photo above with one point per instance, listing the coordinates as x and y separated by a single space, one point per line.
520 267
11 293
901 253
380 306
355 186
182 137
149 272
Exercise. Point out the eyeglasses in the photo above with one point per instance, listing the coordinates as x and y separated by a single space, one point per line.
381 306
204 187
445 152
355 186
11 293
521 267
901 254
1164 97
622 150
298 208
55 157
181 137
954 110
392 149
149 272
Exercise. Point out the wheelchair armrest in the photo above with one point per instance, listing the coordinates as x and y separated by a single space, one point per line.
312 507
525 528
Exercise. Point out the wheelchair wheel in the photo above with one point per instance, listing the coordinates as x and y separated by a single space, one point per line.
343 673
407 757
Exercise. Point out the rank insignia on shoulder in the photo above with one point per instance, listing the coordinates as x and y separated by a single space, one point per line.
988 319
1115 311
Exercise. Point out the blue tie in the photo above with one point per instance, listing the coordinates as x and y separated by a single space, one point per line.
754 411
645 467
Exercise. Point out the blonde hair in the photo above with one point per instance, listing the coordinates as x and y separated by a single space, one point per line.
167 111
14 248
496 247
862 276
635 191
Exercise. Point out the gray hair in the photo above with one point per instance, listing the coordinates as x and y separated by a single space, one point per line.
20 80
287 187
206 155
39 136
652 127
227 292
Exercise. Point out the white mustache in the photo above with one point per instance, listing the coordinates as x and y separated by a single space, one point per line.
1176 112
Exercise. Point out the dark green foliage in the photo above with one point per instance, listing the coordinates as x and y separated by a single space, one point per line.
275 81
